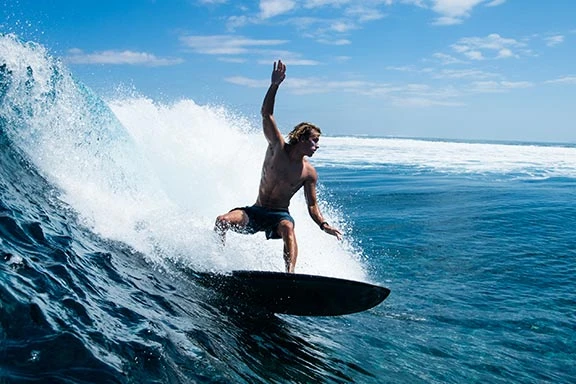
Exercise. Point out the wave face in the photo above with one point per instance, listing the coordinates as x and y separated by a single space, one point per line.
152 176
104 206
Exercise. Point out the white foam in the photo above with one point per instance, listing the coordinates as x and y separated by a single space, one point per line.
208 161
453 157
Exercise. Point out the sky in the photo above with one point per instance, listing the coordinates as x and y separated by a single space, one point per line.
449 69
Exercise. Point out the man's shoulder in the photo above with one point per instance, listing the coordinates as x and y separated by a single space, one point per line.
310 171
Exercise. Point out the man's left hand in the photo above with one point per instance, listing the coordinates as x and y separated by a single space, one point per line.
333 231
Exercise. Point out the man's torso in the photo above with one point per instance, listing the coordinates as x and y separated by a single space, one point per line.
281 178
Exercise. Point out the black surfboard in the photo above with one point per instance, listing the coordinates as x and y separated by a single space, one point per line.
295 294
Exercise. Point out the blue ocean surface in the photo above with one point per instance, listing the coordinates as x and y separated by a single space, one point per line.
107 205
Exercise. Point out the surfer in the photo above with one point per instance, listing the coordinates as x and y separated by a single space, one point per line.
284 171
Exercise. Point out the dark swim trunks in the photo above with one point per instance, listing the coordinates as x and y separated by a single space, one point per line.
264 219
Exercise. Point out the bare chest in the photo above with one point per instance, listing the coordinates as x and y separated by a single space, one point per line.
279 170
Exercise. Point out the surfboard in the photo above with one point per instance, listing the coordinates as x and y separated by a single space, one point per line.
294 294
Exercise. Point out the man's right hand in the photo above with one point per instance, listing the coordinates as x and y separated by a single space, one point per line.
279 73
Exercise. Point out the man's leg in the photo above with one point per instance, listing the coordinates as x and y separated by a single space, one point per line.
286 230
235 220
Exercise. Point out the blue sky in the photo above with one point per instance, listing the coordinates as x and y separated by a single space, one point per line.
462 69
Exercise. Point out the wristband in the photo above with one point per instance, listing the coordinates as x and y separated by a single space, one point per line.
323 224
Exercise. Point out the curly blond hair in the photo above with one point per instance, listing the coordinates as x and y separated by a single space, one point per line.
302 131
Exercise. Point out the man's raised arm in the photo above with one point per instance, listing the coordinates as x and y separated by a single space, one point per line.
271 131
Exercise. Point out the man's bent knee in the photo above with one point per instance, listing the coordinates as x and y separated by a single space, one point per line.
222 224
232 219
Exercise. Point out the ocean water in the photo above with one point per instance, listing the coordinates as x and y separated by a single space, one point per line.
106 204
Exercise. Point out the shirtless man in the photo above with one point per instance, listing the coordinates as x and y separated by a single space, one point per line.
284 172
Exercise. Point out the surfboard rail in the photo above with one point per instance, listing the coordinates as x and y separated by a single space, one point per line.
295 294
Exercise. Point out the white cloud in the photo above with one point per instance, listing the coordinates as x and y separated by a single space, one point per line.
419 95
516 84
563 80
210 2
271 8
498 86
505 53
425 96
234 22
335 42
236 60
309 85
341 26
225 44
455 11
462 74
434 73
77 56
238 49
446 20
246 82
554 40
405 68
495 3
291 61
288 57
363 13
447 59
474 55
491 46
325 31
335 21
423 102
323 3
342 59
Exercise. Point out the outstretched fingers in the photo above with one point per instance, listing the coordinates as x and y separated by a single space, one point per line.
281 66
279 72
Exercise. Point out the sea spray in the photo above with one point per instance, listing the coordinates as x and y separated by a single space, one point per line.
209 161
154 175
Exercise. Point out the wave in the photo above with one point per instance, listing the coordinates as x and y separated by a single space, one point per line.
151 175
104 206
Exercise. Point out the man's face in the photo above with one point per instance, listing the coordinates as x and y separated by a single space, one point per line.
312 144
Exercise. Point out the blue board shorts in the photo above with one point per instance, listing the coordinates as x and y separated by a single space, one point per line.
265 219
